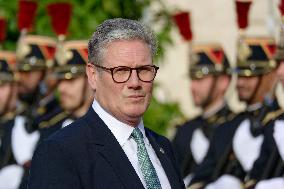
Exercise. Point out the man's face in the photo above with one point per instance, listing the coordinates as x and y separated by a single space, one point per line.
29 81
201 89
280 72
246 87
126 101
71 93
5 93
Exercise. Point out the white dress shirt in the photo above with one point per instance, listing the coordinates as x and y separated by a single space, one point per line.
122 132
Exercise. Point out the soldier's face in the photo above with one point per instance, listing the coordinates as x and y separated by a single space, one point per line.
201 89
126 101
50 81
29 81
246 87
72 93
280 72
5 94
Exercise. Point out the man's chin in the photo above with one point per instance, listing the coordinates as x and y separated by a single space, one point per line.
67 107
197 103
243 99
136 112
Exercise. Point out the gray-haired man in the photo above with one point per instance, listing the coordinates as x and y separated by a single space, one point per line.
110 147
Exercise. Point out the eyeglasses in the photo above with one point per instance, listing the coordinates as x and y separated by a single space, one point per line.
121 74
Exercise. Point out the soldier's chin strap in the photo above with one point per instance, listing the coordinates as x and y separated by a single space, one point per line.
267 105
83 99
257 87
7 103
268 95
208 99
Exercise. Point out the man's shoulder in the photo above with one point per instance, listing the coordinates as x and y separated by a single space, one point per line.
190 124
160 139
154 134
236 120
228 128
72 134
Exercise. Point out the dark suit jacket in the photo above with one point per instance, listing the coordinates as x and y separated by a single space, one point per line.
86 155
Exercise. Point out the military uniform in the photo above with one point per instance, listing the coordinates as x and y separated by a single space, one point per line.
70 61
182 142
192 138
270 163
10 171
34 53
236 144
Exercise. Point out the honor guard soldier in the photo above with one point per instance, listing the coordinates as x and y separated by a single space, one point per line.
35 56
74 91
236 144
209 73
10 171
60 14
268 169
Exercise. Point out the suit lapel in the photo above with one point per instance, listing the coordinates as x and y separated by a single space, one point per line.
165 161
104 142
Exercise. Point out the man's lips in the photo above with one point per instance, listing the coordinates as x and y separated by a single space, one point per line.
136 96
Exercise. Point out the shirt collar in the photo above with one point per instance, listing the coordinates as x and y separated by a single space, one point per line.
120 130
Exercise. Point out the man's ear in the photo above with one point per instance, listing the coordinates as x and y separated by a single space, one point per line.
92 75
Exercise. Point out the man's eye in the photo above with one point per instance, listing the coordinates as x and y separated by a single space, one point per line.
145 69
121 70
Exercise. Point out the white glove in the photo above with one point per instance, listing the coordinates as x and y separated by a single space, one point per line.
11 176
225 182
275 183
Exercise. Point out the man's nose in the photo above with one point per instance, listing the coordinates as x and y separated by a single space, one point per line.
134 80
62 86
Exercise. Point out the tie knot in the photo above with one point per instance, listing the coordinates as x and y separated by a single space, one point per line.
137 135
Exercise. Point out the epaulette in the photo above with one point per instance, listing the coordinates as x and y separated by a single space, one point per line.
21 108
8 116
197 185
249 184
213 119
59 117
226 118
185 121
271 116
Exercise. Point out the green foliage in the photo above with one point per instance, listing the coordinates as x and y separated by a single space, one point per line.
160 116
87 14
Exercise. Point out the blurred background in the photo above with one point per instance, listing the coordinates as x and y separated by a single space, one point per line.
211 21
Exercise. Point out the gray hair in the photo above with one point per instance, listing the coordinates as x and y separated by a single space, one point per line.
118 29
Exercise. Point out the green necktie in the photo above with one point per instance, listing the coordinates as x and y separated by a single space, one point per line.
145 164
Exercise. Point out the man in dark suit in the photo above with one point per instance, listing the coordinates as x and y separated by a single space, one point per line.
109 147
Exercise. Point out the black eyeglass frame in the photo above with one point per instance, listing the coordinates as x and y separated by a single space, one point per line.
111 70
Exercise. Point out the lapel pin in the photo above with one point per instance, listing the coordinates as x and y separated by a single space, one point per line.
162 150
